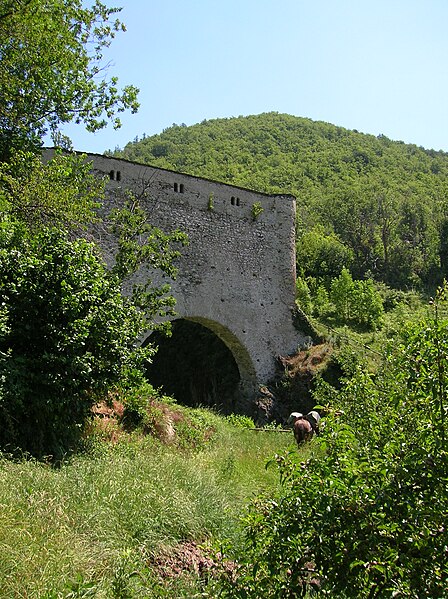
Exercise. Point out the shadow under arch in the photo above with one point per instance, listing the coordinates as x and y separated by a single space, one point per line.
203 364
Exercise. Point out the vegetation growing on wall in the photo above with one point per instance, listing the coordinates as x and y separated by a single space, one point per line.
257 209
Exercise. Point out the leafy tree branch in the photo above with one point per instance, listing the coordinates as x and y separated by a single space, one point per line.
51 58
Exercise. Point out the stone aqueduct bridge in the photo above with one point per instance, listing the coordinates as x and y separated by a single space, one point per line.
237 275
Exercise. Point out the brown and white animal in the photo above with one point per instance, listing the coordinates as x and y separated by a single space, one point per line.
304 427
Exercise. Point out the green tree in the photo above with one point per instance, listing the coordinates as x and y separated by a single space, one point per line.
356 301
322 256
352 212
341 294
443 249
62 193
321 301
366 304
52 71
418 254
69 336
67 331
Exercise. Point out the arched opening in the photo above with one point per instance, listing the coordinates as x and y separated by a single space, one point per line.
196 367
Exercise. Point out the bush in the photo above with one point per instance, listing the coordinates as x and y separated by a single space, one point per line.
365 515
71 334
240 421
320 255
303 295
322 305
356 301
136 402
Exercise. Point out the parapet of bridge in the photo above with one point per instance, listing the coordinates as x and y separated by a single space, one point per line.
237 275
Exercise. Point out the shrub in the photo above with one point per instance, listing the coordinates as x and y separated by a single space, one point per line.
367 305
320 255
341 294
71 334
257 209
240 421
356 301
322 305
136 402
365 515
303 295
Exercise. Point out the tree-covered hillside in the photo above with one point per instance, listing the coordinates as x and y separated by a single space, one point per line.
386 201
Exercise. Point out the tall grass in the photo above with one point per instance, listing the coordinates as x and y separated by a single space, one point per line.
92 527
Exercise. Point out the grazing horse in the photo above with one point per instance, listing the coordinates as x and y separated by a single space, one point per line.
304 427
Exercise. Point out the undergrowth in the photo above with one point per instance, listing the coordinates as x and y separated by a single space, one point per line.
94 526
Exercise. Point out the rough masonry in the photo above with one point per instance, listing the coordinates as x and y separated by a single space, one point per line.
237 275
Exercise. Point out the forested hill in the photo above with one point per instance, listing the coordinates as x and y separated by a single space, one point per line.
380 205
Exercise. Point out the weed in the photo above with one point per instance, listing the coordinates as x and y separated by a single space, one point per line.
257 209
240 421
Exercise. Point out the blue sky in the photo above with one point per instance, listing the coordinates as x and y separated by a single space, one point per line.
378 66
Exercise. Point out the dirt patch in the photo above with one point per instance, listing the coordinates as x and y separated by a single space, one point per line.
307 363
299 373
188 557
106 411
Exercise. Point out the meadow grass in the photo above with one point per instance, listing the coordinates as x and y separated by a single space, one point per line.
92 527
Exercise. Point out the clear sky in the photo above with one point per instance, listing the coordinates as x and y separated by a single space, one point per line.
378 66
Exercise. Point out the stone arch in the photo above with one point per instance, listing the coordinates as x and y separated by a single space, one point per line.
237 270
203 363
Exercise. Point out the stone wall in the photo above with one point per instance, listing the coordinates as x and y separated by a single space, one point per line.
237 275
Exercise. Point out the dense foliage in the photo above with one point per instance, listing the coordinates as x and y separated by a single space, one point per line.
382 205
51 70
69 336
62 193
365 516
67 331
347 302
